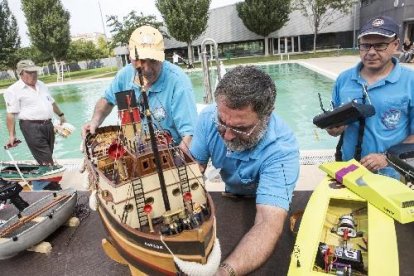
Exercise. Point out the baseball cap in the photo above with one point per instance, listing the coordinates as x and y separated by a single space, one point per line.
26 65
380 25
148 43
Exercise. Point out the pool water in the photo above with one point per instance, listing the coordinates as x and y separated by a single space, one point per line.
296 102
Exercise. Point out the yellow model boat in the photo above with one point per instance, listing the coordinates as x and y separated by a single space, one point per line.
387 194
342 234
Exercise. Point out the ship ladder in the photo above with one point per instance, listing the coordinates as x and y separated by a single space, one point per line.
139 201
182 175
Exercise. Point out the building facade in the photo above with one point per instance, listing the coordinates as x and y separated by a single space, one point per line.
402 11
235 40
94 37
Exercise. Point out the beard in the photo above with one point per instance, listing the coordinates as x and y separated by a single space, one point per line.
240 144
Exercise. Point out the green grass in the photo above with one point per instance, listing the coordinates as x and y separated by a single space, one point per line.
111 71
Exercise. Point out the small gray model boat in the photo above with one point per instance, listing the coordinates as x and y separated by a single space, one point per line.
36 222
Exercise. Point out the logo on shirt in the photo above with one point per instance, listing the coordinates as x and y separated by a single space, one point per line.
159 113
391 118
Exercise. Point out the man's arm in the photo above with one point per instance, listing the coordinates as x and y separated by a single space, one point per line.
102 110
258 244
57 111
185 143
10 122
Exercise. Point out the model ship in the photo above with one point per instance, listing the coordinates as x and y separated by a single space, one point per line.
29 172
150 195
387 194
343 234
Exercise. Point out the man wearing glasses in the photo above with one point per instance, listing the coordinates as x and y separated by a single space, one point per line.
382 82
257 155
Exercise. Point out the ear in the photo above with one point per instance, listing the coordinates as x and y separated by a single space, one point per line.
397 42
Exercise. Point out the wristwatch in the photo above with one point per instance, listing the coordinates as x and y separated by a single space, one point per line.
61 114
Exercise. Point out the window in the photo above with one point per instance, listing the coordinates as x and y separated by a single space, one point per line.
145 164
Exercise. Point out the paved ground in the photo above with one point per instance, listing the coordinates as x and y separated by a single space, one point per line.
310 175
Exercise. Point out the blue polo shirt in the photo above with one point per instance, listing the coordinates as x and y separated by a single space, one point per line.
171 98
269 170
393 121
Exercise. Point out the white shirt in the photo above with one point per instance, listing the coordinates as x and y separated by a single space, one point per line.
29 103
175 58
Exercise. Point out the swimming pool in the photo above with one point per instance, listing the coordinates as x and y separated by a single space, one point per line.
296 102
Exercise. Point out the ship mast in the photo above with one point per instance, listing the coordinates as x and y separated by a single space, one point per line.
154 145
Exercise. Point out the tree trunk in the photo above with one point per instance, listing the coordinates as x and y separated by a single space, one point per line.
190 53
266 40
315 34
57 69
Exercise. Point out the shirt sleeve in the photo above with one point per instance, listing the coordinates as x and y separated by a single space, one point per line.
336 100
183 109
118 84
411 108
12 102
278 177
199 146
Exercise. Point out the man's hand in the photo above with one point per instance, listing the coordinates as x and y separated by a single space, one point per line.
102 110
336 131
185 144
62 120
374 161
89 127
13 142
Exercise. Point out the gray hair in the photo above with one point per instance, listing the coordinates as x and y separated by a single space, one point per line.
247 86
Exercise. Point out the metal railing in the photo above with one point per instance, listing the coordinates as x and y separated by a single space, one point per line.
208 92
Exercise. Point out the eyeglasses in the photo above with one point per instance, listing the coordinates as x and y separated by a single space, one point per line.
377 46
242 131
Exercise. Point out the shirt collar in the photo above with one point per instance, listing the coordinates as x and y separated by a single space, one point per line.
22 85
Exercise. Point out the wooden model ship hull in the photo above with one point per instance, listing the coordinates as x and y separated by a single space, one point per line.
36 222
127 186
147 254
31 172
370 245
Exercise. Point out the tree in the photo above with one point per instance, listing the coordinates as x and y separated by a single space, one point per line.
186 20
322 13
264 16
121 31
9 37
83 50
48 25
103 46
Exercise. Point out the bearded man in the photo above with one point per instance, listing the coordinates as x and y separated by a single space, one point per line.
257 155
